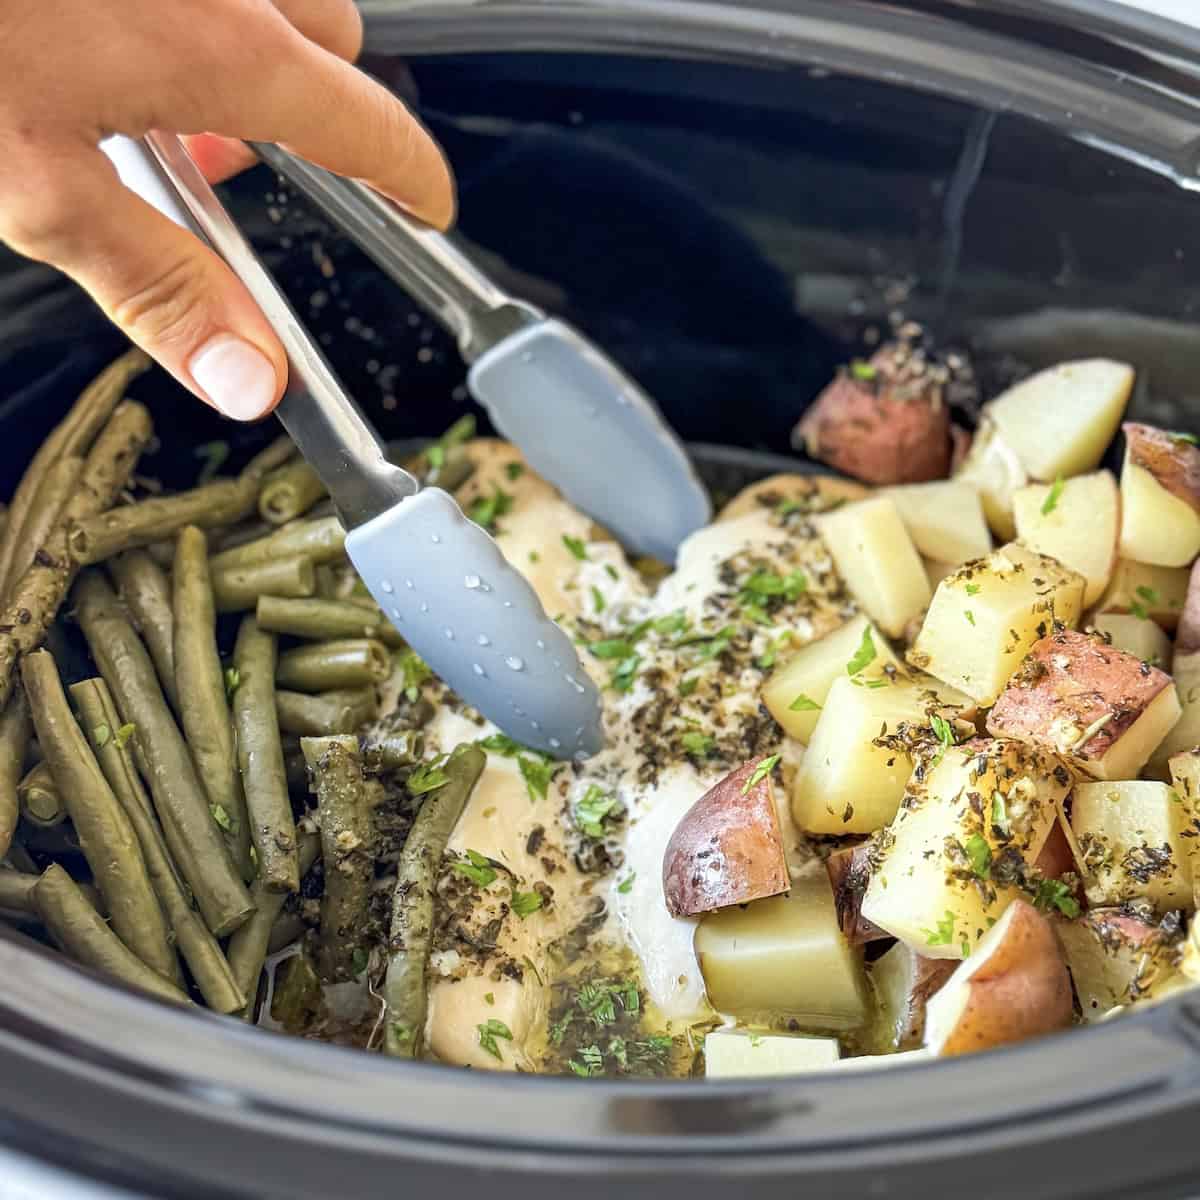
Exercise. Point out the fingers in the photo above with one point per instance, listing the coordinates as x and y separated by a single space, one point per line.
219 158
168 292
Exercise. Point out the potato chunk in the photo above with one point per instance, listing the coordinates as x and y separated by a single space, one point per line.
1131 835
1061 420
1160 498
1075 521
1185 733
994 471
875 556
1147 592
795 693
1100 708
944 519
846 783
740 1054
783 957
985 617
1142 638
904 981
807 493
978 816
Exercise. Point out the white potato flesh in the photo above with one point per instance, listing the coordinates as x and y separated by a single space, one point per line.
1185 733
985 618
903 981
1146 591
1185 779
804 679
1131 835
1076 522
846 784
924 889
738 1054
994 471
1061 420
1111 964
1142 638
944 519
1141 741
1157 527
877 560
784 957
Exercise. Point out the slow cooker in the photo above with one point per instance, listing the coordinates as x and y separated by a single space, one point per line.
727 196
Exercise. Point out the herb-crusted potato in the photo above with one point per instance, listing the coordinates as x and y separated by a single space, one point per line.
852 777
1160 497
875 556
944 519
1076 521
1061 420
803 493
987 615
784 956
961 844
992 468
1142 638
796 692
1184 735
1147 592
1100 708
1131 833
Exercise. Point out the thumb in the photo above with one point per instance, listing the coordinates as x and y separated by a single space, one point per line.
168 291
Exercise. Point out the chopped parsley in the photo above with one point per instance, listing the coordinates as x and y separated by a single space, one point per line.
626 884
576 546
485 511
414 672
973 589
514 470
123 734
944 732
803 703
760 772
689 685
221 817
697 743
864 656
427 777
489 997
437 456
708 646
101 735
214 455
1054 893
943 935
622 677
477 868
598 599
1139 610
979 854
611 571
524 903
863 371
610 648
1052 496
489 1031
1000 815
592 809
676 622
766 660
588 1061
537 773
763 586
970 616
1148 594
233 680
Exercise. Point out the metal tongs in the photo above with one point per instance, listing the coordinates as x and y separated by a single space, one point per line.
441 579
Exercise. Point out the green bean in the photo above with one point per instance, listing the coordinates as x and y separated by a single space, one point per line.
72 436
322 540
237 588
289 927
260 758
325 619
53 494
289 492
84 935
199 948
341 711
347 839
14 741
40 800
322 666
328 579
179 797
16 891
396 748
203 706
106 834
412 901
146 591
248 947
36 597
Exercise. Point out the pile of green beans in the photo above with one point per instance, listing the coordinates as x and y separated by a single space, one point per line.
160 824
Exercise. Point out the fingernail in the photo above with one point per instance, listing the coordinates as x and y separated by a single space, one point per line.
237 378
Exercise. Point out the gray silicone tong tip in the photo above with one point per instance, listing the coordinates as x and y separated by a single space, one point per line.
440 578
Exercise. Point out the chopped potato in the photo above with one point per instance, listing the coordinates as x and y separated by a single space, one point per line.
932 886
1061 420
904 981
876 558
1137 636
1160 498
1147 592
846 783
1076 521
1131 835
987 615
944 519
936 571
1185 778
741 1054
1100 708
795 693
1185 734
807 493
994 471
783 957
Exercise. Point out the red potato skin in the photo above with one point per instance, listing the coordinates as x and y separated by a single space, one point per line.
727 850
1056 858
960 446
1174 463
1022 991
1077 678
849 873
1187 636
894 428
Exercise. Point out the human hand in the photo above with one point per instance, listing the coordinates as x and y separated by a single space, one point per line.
75 71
